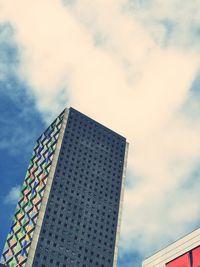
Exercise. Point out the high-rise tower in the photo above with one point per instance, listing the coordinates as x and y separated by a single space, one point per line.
70 203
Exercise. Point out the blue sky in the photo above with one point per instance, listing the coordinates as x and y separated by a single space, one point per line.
21 123
132 65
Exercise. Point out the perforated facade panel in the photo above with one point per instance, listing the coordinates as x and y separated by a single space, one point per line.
81 215
80 223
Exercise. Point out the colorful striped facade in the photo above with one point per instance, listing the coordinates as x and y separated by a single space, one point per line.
19 239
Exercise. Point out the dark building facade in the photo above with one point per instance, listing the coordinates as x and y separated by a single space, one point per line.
69 208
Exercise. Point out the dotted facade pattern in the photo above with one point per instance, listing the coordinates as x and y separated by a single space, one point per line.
80 222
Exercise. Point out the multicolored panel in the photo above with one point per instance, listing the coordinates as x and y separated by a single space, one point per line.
19 239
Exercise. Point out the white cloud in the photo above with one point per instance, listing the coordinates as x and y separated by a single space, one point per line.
180 18
13 195
130 83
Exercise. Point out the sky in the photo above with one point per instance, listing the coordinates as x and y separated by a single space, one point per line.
132 65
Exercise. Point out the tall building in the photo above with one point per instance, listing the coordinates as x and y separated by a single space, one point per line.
183 253
69 209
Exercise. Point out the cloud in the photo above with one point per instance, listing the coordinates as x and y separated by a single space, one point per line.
8 52
111 64
13 195
175 20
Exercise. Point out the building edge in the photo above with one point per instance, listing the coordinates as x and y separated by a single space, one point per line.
40 218
120 206
174 250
